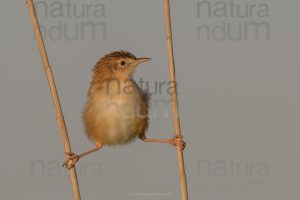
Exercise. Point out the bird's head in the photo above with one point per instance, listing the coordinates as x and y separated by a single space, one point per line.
120 63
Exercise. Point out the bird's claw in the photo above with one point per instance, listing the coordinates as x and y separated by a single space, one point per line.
178 141
71 160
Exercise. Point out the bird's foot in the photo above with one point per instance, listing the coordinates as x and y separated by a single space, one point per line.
71 160
178 141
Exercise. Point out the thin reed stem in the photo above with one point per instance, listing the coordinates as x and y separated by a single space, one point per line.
183 181
55 98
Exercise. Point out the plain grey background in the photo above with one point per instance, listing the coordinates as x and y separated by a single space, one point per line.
239 103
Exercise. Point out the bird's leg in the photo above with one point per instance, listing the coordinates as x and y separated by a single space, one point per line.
73 158
176 141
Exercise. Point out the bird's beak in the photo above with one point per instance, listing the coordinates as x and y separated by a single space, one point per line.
142 60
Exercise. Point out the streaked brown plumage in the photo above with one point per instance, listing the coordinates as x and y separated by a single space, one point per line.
113 114
117 109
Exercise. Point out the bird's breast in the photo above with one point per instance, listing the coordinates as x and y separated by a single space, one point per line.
116 110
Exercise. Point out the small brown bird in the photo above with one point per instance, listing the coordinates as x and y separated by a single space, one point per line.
117 108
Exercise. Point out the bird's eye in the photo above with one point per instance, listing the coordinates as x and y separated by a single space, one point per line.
123 63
